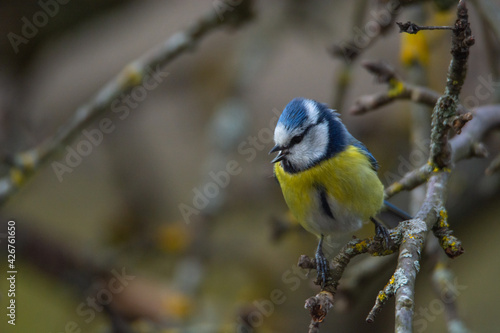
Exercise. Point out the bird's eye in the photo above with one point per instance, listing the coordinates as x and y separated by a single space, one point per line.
296 139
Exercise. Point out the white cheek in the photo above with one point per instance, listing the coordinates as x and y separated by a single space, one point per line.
311 149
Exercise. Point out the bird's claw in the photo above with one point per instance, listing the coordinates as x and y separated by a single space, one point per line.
382 233
322 268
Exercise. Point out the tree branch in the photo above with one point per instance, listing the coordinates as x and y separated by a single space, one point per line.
398 89
25 164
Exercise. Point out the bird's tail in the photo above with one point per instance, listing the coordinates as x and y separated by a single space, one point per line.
392 215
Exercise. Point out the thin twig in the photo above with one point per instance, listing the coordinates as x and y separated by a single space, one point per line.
398 89
412 28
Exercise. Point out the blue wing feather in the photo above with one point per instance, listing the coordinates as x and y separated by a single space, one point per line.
356 143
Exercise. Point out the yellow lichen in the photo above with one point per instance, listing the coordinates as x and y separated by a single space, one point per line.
361 246
17 177
443 220
132 76
396 88
27 160
397 187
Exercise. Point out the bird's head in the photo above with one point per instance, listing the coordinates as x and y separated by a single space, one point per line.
307 133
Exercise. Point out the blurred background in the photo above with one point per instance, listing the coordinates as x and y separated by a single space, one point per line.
173 221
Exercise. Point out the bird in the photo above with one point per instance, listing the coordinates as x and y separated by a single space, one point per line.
328 178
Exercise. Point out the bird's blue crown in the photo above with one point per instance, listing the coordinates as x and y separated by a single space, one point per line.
301 115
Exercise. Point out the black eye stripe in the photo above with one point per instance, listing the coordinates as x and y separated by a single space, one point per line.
301 136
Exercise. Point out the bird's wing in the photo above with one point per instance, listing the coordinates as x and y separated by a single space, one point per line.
356 143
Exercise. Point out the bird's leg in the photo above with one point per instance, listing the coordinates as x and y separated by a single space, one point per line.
322 265
381 232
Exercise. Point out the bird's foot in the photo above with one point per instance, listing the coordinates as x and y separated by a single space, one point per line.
322 265
382 233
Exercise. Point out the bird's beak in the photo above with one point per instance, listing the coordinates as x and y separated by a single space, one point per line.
281 155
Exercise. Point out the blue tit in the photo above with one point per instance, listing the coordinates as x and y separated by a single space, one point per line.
328 178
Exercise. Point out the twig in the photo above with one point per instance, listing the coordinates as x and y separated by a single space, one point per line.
445 110
25 164
451 245
409 181
412 28
466 145
443 282
398 90
445 287
320 304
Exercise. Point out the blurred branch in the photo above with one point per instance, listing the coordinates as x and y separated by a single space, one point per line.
344 76
414 56
350 50
445 287
25 164
443 283
58 260
489 11
463 146
398 89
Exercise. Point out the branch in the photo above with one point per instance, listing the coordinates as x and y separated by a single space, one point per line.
445 110
489 11
320 304
412 28
344 76
398 89
463 146
445 287
25 164
410 250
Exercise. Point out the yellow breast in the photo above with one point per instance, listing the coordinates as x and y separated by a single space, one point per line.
354 192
